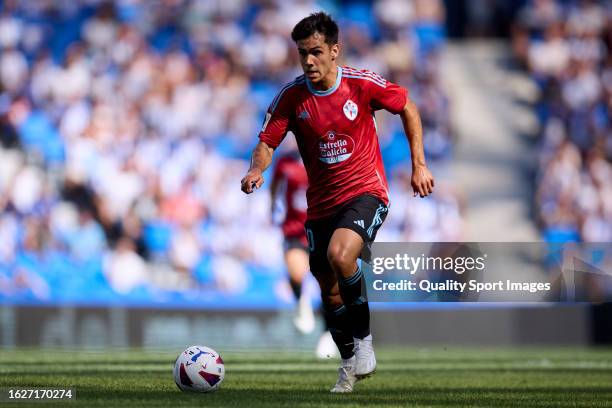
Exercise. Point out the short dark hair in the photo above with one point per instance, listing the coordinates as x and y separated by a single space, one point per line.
319 22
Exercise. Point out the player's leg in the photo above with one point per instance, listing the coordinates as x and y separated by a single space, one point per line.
296 259
344 249
356 230
337 319
335 313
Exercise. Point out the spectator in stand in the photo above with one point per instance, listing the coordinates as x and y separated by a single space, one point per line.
568 56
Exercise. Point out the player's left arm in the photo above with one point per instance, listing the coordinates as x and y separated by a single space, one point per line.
422 180
394 98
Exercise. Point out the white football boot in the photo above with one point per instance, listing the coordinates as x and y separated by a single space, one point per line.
365 364
346 377
326 348
304 319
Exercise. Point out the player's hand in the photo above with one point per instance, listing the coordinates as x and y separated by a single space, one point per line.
422 181
253 180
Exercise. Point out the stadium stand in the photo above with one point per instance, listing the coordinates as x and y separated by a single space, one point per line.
567 48
126 126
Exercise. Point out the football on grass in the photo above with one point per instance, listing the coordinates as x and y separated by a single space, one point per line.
199 369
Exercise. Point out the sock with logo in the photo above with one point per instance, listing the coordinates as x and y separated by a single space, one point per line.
337 320
352 291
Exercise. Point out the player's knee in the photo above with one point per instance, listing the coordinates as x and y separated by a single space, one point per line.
340 259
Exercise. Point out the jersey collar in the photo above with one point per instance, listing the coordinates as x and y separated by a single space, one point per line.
327 91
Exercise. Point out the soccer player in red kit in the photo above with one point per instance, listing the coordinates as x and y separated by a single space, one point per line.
330 109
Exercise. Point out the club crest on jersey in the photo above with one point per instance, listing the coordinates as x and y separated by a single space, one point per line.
335 147
350 110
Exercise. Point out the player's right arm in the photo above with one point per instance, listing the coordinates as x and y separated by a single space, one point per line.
260 161
272 133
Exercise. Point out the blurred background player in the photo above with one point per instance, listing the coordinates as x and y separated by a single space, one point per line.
288 193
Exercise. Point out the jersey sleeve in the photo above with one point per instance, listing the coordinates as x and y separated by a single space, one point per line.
276 122
387 95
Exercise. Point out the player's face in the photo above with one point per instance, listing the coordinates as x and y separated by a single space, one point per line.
317 57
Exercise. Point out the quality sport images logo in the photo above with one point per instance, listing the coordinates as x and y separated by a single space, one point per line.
335 147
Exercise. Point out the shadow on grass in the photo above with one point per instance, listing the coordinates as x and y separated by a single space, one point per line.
395 396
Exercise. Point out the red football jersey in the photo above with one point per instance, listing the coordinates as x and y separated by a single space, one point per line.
290 196
336 134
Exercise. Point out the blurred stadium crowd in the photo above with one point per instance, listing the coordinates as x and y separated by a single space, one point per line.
126 126
567 48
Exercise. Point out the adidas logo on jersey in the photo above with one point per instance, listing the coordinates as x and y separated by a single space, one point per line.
360 223
304 115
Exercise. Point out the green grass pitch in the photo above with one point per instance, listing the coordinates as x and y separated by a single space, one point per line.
436 377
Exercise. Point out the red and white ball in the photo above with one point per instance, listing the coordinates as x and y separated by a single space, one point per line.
199 369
